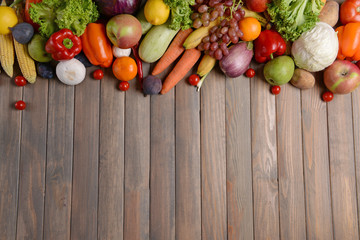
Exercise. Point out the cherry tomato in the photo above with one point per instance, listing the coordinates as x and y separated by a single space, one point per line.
98 74
275 90
124 86
20 81
20 105
250 73
327 96
194 79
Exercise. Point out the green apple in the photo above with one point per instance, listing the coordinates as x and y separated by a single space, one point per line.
279 70
36 48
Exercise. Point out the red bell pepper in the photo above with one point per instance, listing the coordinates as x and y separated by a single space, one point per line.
350 11
268 45
63 45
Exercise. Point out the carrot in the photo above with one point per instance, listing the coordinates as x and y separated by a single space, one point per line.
182 67
173 52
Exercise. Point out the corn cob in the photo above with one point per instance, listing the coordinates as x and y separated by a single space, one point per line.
7 54
206 64
26 63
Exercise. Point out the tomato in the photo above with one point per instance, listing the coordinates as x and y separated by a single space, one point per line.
20 81
124 68
124 86
250 73
194 79
250 27
327 96
349 11
275 90
20 105
98 74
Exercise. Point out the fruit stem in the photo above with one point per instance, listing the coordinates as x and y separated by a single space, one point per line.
271 56
16 2
68 43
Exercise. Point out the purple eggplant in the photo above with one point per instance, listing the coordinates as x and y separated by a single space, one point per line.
115 7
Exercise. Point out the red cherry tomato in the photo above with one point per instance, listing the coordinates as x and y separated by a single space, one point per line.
327 96
20 81
250 73
275 90
124 86
194 79
98 74
20 105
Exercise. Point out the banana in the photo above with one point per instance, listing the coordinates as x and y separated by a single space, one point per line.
194 39
249 13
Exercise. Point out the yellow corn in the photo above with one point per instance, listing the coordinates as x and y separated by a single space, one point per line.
26 63
206 64
7 54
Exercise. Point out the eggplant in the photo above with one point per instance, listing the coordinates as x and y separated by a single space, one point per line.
114 7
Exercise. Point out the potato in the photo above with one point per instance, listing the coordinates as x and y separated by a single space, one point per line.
302 79
330 13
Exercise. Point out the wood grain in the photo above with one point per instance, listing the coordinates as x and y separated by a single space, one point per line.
162 167
111 161
213 157
342 168
264 159
188 180
316 164
356 132
86 157
290 164
137 164
59 161
33 161
238 154
10 132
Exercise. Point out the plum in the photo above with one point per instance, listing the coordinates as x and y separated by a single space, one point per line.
152 85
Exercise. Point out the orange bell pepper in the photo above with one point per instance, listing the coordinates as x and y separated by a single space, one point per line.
96 45
349 42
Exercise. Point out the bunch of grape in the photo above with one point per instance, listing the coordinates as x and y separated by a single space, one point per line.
230 12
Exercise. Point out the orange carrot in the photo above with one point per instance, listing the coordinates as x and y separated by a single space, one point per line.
173 52
182 67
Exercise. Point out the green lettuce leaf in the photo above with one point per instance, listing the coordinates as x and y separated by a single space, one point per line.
180 13
293 17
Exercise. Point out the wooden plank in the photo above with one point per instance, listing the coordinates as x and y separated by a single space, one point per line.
86 157
162 177
10 132
111 169
290 164
316 165
59 161
32 161
188 180
137 163
238 154
264 158
342 168
213 157
356 132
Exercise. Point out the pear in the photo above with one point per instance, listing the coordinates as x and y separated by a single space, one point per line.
279 70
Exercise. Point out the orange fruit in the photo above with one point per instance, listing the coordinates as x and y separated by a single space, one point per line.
124 68
250 27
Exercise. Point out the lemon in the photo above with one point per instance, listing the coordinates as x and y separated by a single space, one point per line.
8 19
156 12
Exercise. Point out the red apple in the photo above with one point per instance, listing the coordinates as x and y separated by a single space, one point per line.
257 5
342 77
124 30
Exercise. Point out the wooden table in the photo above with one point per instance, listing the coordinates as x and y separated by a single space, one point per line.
231 162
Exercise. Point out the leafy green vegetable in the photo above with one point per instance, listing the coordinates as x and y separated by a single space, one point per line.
53 15
293 17
180 13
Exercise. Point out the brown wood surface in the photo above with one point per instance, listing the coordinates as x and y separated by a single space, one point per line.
356 130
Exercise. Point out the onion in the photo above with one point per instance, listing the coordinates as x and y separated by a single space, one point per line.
237 62
115 7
